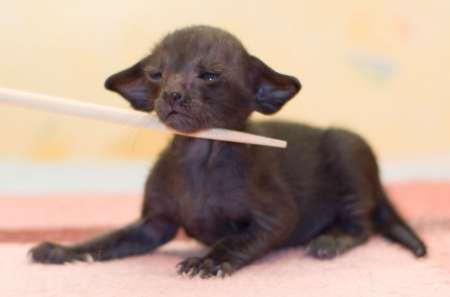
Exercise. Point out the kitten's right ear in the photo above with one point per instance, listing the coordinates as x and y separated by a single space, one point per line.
132 85
271 89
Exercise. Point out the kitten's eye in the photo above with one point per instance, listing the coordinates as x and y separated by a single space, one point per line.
209 76
155 75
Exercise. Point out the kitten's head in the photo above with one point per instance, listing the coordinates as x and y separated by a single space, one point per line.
202 77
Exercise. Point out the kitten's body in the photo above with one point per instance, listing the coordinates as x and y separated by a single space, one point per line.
242 200
327 178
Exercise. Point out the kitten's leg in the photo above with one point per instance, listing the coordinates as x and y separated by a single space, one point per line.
334 242
137 238
238 250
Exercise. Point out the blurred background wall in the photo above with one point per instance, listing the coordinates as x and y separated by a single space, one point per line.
379 67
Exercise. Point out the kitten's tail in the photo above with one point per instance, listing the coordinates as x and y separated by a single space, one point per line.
389 223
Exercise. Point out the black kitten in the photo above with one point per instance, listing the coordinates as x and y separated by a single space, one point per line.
323 191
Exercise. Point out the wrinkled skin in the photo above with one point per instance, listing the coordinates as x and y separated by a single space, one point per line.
243 201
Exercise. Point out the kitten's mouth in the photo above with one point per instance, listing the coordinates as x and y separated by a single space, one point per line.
171 113
179 121
165 116
176 118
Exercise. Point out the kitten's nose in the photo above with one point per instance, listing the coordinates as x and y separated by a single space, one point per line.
176 98
173 97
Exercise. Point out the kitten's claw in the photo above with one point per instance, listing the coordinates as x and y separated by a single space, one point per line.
204 267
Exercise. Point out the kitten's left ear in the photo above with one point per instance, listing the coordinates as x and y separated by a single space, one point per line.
132 85
272 89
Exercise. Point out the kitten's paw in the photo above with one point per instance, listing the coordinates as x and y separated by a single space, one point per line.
51 253
204 267
323 247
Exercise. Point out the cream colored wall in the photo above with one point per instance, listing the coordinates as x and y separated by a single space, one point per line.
379 67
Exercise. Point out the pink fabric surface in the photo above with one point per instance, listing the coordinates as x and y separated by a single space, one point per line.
68 210
377 268
419 201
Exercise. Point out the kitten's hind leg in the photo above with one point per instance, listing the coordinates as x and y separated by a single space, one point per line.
334 242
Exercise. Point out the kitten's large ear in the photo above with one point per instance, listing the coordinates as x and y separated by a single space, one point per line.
132 85
272 89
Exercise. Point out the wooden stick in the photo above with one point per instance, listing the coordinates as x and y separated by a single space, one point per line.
123 116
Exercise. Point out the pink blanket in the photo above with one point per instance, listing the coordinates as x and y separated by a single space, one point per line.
378 268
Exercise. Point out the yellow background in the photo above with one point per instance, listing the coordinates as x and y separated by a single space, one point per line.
381 67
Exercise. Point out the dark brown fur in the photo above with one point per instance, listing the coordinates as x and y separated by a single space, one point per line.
323 191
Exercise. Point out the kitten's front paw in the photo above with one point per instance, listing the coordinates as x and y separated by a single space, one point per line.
51 253
204 267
